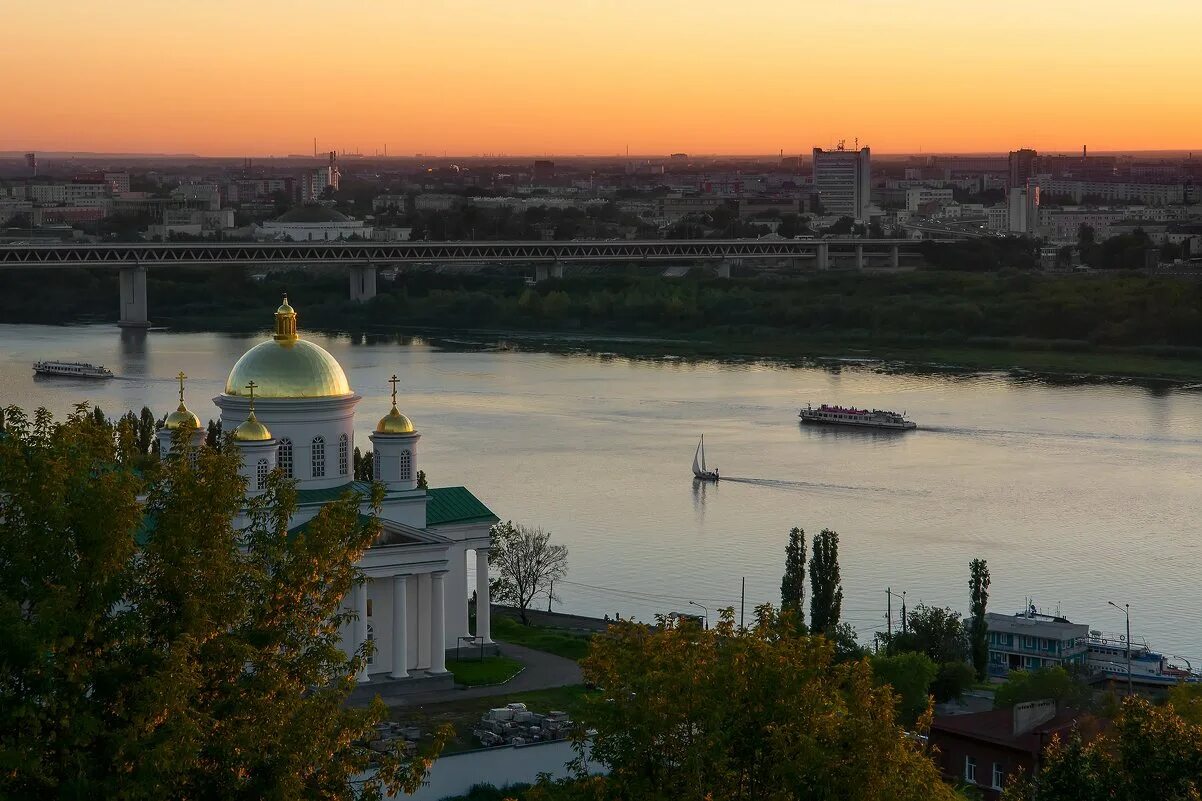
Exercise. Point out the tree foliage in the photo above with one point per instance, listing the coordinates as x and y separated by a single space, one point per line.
792 584
910 675
1052 682
756 713
826 591
155 648
935 631
527 564
1149 752
978 633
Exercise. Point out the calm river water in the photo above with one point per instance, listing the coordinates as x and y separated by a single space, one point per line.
1075 494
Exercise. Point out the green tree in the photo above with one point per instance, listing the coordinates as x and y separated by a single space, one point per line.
155 650
756 713
937 632
910 675
422 481
146 429
527 564
978 632
952 680
826 591
792 584
1052 682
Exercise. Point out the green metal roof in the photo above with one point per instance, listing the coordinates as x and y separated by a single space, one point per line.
304 497
448 505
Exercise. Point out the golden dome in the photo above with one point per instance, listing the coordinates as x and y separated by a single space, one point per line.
251 430
181 418
286 366
395 423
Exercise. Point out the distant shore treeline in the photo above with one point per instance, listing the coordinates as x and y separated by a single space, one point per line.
1161 315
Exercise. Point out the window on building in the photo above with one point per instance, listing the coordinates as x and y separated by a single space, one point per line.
970 764
406 465
343 454
999 776
285 457
1028 642
371 639
319 457
261 474
375 467
369 607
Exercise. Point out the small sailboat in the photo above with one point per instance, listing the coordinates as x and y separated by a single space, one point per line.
699 470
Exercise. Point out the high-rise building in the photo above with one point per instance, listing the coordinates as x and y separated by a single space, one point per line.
31 161
544 171
1024 209
314 184
1022 167
842 179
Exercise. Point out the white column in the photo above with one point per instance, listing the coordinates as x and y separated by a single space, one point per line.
438 625
483 602
400 639
859 257
361 624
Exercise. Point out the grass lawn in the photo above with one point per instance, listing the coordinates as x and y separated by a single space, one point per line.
490 670
569 644
463 715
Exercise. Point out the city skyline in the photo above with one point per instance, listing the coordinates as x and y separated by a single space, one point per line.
532 78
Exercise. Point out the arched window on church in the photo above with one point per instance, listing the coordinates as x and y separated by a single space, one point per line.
261 474
343 454
285 457
406 466
371 651
375 466
319 457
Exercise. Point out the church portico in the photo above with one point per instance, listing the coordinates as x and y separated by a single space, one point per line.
288 405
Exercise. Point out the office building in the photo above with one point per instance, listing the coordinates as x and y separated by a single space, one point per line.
842 179
1024 209
1029 640
1023 165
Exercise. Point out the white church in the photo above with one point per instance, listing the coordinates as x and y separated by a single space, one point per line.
289 405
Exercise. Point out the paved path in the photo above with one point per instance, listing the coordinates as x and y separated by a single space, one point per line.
543 670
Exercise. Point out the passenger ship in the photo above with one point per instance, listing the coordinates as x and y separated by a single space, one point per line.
863 418
72 369
1106 656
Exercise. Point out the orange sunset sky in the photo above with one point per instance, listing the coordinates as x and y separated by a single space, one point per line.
258 77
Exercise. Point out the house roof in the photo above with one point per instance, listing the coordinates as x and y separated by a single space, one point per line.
997 726
448 505
304 497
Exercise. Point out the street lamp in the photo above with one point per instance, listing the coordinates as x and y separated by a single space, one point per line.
1126 610
707 612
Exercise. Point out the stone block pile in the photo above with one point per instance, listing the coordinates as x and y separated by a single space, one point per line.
515 725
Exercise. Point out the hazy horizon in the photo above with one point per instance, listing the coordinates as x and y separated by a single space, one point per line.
533 77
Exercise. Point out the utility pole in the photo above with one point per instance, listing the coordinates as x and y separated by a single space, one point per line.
888 620
905 625
550 594
1126 610
742 599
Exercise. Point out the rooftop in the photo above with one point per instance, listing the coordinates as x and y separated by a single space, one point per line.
1044 625
449 505
997 726
312 213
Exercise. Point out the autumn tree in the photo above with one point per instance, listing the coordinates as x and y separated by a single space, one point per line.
156 649
1149 752
978 629
756 713
826 591
527 565
792 584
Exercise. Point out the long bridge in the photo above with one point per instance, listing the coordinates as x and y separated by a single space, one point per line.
363 258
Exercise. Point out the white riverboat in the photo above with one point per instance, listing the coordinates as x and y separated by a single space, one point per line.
72 369
1106 656
851 416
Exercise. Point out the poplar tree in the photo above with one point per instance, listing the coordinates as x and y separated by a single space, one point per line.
826 591
155 650
978 631
792 584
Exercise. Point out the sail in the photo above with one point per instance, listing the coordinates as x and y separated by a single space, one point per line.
698 469
701 447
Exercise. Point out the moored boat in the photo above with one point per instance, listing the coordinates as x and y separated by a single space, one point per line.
72 369
700 471
1107 654
851 416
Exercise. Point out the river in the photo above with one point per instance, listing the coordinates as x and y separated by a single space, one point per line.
1076 495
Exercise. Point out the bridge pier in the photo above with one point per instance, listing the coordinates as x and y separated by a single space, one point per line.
824 257
363 282
724 268
133 298
895 257
859 257
544 271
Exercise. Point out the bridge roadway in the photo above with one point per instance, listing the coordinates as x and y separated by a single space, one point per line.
362 258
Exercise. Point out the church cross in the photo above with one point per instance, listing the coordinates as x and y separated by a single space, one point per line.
181 378
393 381
251 386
